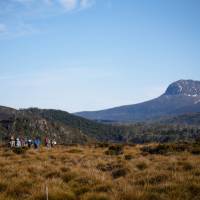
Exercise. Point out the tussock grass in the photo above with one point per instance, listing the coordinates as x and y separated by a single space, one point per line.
128 172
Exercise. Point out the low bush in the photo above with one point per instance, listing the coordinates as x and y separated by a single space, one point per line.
152 180
195 151
20 150
96 196
103 188
21 189
119 173
115 150
141 166
187 166
102 145
57 195
68 176
3 187
75 151
81 190
85 180
65 169
158 179
53 174
109 166
128 157
164 149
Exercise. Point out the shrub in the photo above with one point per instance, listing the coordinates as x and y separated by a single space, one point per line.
166 148
53 157
194 189
3 187
115 150
103 188
119 173
53 174
21 188
151 196
108 167
55 195
153 180
75 151
196 151
96 196
160 178
84 180
7 153
187 166
141 166
21 150
128 157
68 176
65 169
159 149
81 190
102 145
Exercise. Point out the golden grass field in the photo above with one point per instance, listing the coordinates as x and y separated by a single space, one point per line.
87 173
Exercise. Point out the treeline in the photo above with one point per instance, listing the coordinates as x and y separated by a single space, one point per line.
68 129
155 132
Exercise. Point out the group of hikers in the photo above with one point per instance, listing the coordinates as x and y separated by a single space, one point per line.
36 142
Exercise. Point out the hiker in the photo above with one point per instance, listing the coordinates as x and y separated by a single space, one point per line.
29 142
22 140
47 142
12 142
17 142
53 142
26 142
36 143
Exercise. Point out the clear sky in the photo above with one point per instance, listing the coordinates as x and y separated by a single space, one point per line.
93 54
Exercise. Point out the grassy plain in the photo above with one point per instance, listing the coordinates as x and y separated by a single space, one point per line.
91 173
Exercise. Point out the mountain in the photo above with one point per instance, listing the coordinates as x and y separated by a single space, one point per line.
180 97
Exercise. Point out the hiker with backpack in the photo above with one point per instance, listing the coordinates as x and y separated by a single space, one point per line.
17 143
29 142
53 142
37 143
12 142
22 140
47 142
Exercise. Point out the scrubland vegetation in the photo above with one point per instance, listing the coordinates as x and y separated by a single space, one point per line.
102 172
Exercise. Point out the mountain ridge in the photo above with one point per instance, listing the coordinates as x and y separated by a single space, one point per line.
178 98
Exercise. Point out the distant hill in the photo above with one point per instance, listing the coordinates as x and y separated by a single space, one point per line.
180 97
66 128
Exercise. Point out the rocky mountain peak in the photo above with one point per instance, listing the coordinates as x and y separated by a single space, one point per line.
184 87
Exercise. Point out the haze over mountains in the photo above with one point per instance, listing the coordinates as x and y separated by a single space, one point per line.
180 97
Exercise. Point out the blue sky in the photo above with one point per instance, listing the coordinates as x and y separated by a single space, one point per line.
94 54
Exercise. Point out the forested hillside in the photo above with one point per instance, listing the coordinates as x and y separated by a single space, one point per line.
67 128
